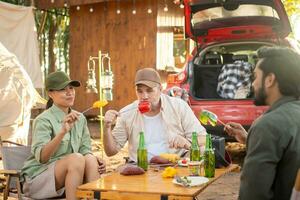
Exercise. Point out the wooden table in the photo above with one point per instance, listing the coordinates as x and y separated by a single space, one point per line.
149 186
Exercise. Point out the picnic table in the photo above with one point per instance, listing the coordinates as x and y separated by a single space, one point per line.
149 186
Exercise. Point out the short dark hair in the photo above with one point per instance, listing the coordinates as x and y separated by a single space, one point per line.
284 63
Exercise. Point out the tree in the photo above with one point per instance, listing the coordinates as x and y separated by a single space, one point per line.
292 7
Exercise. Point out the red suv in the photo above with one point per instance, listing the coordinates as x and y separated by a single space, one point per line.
228 34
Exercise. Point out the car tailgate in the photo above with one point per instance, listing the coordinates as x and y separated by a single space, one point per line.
240 111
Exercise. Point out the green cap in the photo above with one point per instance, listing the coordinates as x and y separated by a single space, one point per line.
59 80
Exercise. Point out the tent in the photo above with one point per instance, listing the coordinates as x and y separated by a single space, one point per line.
17 96
18 34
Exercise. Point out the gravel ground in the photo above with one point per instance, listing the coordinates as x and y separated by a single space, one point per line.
225 188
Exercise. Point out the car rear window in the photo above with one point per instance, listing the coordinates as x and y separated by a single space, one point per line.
245 10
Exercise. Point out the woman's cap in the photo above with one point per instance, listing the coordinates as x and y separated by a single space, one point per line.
148 77
59 80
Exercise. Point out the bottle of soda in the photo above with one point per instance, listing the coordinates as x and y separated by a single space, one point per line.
194 150
142 160
209 158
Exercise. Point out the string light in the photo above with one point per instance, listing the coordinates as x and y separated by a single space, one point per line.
52 1
91 9
134 10
166 6
181 5
118 7
65 5
77 7
149 7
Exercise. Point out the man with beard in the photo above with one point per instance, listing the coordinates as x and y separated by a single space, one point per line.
273 140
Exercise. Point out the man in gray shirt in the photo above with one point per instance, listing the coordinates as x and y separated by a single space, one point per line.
273 140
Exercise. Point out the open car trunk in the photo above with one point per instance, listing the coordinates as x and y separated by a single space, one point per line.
225 71
208 21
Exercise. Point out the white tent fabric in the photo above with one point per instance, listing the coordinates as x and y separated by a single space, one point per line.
17 96
18 35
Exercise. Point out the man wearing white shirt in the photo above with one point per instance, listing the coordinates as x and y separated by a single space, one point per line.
168 126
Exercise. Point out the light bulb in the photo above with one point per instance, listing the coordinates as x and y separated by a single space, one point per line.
52 1
118 11
149 10
91 10
166 9
181 5
134 12
77 7
65 5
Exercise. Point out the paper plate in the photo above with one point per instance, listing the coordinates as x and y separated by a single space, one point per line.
195 181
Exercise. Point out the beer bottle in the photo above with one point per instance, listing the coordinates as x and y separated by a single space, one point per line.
194 150
209 158
142 160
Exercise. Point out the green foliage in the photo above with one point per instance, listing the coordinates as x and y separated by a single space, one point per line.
53 36
291 7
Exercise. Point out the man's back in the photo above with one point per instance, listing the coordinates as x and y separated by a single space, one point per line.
273 153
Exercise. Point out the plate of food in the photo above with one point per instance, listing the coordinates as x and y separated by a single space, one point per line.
183 162
190 181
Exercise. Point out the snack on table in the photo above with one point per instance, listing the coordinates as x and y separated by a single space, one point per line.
169 172
184 181
170 156
128 170
159 160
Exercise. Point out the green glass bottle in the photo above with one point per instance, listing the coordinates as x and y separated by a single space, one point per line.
194 150
142 158
209 158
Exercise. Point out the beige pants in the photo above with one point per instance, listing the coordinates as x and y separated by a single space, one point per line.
43 185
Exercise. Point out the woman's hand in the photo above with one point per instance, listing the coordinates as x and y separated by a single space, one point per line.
101 166
69 121
236 130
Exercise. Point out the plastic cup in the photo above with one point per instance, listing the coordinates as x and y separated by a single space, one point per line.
194 168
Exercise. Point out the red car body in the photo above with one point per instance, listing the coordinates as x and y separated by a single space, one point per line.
238 32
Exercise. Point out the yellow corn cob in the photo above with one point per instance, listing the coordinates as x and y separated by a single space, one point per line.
99 104
171 157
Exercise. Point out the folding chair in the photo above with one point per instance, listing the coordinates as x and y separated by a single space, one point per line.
13 158
296 190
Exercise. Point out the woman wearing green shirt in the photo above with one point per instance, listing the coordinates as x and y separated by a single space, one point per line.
61 147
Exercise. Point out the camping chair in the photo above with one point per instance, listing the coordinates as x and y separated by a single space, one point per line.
296 190
13 158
